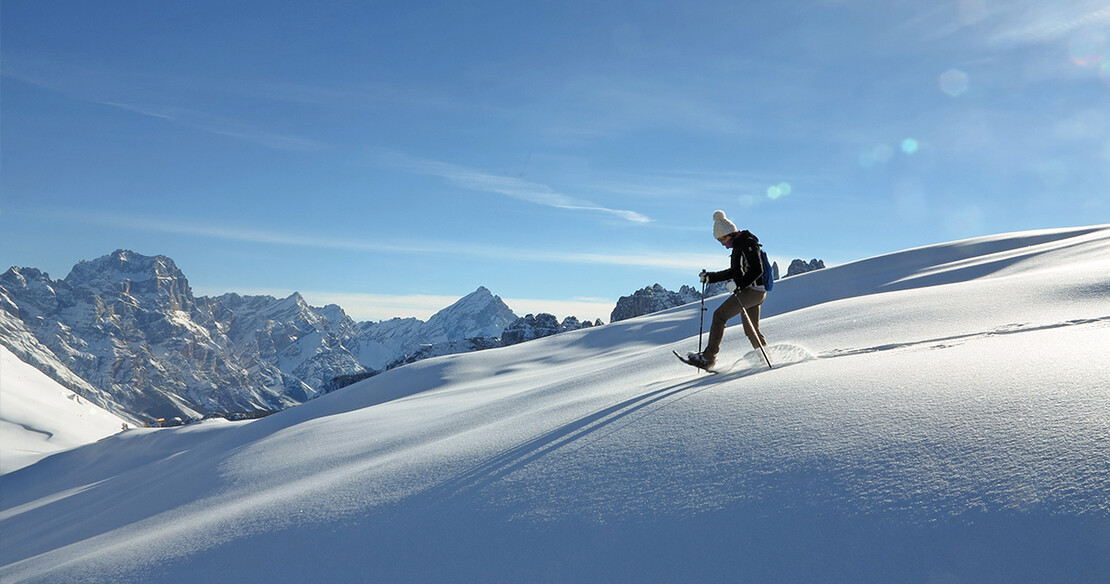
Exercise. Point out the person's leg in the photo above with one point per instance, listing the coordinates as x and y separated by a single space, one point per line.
751 301
728 309
753 317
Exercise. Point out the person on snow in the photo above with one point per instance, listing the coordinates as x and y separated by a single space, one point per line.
746 272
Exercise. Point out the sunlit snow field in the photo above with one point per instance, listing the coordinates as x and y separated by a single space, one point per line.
940 414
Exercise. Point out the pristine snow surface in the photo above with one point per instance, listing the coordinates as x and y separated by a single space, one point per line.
936 415
39 417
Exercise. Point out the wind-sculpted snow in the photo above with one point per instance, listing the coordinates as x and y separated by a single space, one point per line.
944 420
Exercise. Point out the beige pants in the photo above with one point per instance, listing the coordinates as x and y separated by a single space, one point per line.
747 300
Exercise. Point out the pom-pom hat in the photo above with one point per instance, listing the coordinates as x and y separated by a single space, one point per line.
721 225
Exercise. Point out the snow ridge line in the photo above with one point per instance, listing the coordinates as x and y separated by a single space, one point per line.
941 342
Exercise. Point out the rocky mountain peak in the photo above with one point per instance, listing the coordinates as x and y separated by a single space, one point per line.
34 287
124 264
478 314
23 277
655 298
531 327
801 266
124 274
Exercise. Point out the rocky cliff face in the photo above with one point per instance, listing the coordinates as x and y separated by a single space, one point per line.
126 332
656 298
531 327
801 267
130 326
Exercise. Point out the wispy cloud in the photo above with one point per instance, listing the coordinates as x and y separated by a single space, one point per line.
223 126
1015 23
145 96
693 184
1037 22
475 180
206 229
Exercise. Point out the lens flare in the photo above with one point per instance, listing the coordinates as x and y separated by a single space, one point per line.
909 146
780 190
1088 51
953 82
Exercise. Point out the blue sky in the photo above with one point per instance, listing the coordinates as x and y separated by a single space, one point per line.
394 156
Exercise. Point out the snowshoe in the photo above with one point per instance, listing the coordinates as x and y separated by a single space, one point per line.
696 360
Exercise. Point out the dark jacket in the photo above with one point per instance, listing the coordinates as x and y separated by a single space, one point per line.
746 268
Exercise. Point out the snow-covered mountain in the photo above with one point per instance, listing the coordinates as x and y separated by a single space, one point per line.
23 344
128 324
468 324
125 332
934 415
39 417
479 314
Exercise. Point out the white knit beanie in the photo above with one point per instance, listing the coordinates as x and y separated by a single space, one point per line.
721 225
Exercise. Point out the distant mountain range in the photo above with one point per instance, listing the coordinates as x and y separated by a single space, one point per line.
125 332
656 298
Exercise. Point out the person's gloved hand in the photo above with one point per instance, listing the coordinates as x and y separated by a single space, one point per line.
704 277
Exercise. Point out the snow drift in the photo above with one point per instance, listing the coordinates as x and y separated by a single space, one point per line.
38 416
936 415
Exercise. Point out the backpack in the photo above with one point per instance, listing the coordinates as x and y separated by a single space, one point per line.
768 276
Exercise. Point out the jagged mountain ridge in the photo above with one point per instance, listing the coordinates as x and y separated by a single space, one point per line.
655 298
529 327
801 266
126 332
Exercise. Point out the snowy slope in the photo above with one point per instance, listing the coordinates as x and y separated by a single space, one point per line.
936 415
39 417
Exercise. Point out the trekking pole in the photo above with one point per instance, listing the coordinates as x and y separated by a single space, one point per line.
701 324
748 322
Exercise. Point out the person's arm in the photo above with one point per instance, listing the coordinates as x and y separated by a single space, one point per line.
750 253
720 276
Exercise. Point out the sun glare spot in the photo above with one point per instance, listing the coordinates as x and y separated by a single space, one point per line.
1088 51
953 82
780 190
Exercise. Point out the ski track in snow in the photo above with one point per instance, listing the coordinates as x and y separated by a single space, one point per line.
954 340
786 354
